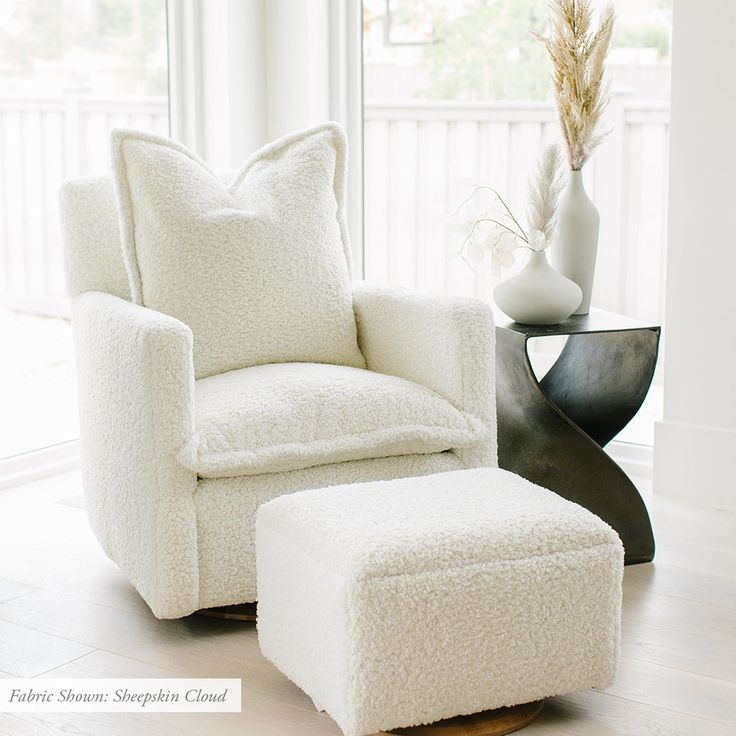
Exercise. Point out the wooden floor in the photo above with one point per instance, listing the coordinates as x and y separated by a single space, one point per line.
65 610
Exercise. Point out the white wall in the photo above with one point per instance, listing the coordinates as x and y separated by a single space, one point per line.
262 69
297 65
234 80
695 444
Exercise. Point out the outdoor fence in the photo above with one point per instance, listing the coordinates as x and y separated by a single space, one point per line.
421 158
44 141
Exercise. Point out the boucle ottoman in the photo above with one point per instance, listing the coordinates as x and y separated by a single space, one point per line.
404 602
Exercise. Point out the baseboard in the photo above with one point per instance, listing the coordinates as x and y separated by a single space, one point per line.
695 463
43 306
635 460
31 466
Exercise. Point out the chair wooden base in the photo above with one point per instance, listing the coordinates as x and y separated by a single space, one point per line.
488 723
240 612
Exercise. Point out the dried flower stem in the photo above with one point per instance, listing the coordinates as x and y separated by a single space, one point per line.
545 185
578 57
521 234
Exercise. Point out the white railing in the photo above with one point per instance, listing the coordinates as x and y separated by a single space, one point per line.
420 157
42 143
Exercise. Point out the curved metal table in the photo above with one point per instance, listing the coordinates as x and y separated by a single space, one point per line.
552 431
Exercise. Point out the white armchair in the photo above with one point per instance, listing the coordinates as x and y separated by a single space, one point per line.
175 511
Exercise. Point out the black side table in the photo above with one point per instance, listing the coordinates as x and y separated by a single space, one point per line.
552 431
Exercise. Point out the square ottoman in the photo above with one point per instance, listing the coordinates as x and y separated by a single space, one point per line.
403 602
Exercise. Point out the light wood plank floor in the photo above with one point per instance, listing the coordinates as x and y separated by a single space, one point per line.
65 610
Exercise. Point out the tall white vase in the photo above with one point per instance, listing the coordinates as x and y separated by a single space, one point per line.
576 246
537 295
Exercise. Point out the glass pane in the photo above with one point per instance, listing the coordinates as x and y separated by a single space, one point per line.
69 72
457 94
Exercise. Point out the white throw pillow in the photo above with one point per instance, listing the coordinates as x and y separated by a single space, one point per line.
259 270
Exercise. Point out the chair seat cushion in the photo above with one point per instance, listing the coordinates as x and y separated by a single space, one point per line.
287 416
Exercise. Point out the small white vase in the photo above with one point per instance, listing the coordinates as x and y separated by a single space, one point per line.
538 295
576 246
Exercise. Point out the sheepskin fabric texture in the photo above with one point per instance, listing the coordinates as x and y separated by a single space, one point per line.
226 514
288 416
259 270
93 255
136 392
187 542
404 602
93 258
445 343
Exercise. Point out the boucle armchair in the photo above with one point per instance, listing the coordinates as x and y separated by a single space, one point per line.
175 467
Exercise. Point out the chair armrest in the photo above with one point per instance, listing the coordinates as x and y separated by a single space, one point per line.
442 342
136 398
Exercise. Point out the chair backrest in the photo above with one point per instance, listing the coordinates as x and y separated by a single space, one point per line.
89 226
93 256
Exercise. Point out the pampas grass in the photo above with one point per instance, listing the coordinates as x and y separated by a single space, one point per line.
543 192
578 55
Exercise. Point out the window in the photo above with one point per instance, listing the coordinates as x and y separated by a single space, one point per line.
69 73
457 94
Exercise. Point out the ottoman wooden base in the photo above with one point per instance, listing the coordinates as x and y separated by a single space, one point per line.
497 722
